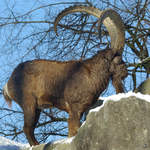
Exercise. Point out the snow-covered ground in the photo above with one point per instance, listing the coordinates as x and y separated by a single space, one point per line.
6 144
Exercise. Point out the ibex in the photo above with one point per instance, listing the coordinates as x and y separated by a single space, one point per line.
71 86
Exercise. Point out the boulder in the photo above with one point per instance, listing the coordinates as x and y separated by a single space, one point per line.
144 87
116 125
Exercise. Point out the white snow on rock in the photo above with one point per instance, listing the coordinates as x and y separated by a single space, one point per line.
6 144
65 141
119 96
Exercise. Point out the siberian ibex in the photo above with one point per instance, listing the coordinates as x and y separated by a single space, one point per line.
71 86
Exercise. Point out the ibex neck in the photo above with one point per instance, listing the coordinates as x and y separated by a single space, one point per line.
102 55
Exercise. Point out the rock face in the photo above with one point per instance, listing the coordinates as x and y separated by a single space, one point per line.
117 125
144 87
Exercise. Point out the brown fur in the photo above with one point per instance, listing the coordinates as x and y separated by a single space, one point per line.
72 86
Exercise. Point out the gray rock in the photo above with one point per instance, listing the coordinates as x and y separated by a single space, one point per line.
144 87
118 125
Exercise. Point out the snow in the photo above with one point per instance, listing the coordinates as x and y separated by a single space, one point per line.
119 96
65 141
69 140
6 144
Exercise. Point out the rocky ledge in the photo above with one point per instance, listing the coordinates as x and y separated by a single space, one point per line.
121 123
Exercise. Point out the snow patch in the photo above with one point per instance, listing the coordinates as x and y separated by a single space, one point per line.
6 144
119 96
65 141
69 140
83 124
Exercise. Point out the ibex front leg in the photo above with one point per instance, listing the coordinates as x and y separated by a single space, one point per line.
73 123
31 117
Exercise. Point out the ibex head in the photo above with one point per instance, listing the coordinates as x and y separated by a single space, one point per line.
110 18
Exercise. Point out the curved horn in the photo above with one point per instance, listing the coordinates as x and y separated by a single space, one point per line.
109 18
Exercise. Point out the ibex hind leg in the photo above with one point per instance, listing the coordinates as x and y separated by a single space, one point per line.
31 117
